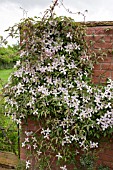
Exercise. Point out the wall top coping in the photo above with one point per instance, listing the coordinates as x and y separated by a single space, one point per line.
97 23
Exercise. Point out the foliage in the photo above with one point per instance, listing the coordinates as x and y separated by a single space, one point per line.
8 128
8 135
2 41
87 161
21 165
52 85
4 74
8 56
101 167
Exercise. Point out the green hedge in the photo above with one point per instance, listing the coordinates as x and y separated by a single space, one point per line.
8 57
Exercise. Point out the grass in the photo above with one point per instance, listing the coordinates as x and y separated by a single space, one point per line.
4 74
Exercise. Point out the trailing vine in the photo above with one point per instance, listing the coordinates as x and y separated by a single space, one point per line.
51 84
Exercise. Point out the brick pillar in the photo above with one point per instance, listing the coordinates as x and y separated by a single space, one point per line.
100 40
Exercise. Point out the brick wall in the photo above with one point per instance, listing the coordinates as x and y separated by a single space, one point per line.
100 40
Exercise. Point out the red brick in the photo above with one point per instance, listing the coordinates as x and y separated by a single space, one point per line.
103 45
104 30
98 39
112 75
99 162
99 30
109 31
107 66
108 164
102 38
97 66
107 38
90 31
102 73
88 38
106 60
99 80
95 80
98 52
23 154
109 152
106 158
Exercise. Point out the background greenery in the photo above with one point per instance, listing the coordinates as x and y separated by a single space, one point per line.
8 129
4 74
8 56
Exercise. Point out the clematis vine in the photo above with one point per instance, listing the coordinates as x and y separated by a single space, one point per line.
52 85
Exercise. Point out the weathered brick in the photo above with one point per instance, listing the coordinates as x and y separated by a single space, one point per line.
104 30
109 30
107 38
99 80
106 157
112 75
97 66
90 31
101 73
103 45
107 66
99 39
95 80
106 60
100 30
108 164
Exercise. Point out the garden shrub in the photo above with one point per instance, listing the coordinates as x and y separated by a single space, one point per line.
8 56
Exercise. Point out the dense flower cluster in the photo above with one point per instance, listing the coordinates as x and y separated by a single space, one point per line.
52 83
